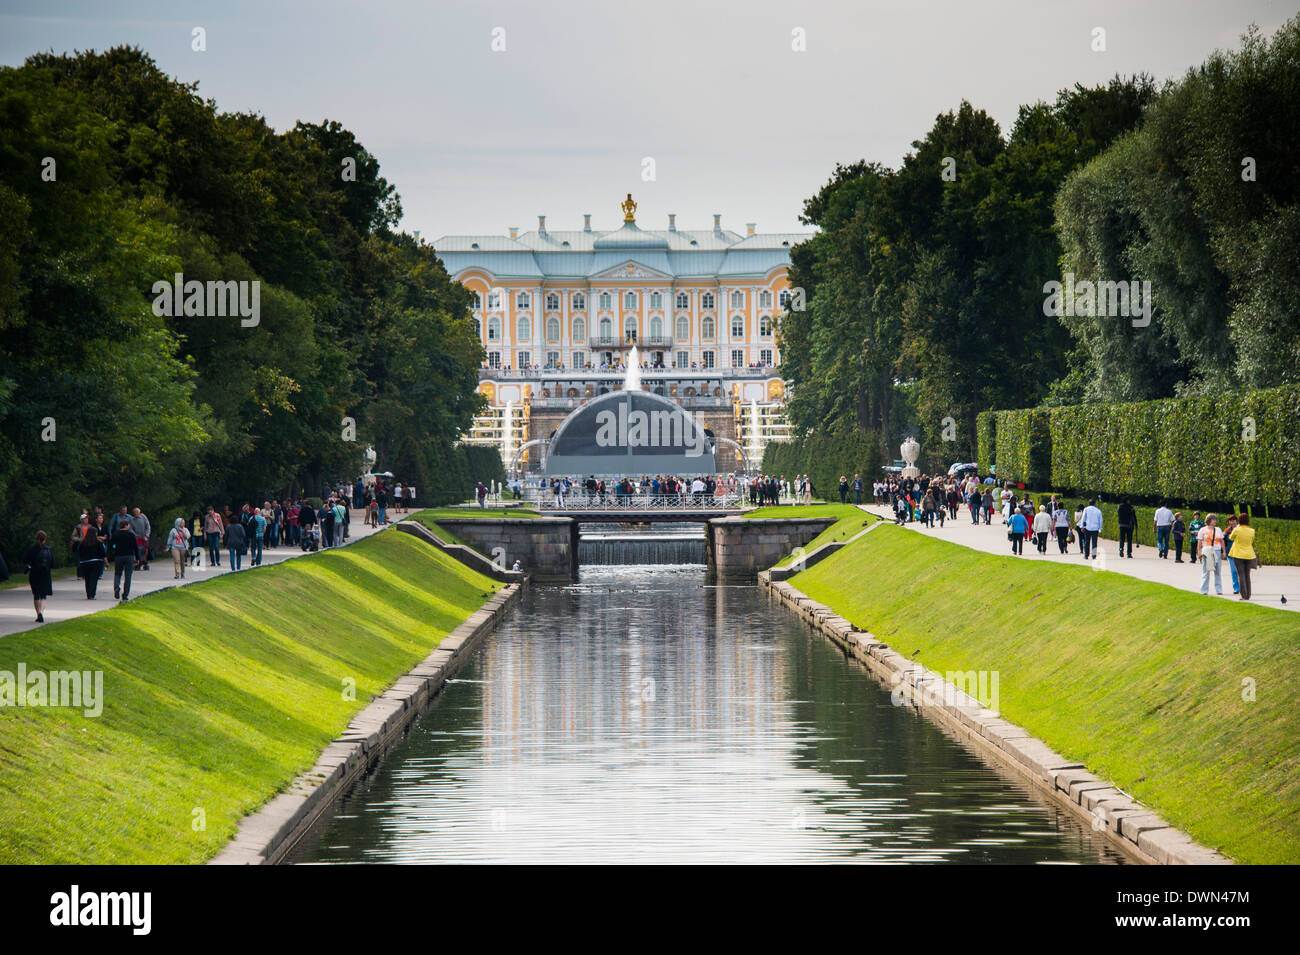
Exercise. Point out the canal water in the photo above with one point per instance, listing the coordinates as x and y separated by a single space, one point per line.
645 715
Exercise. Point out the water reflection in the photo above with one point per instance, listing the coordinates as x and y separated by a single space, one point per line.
644 716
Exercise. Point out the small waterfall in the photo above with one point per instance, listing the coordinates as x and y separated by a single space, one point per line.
613 544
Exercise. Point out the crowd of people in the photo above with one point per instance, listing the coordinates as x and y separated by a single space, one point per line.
124 541
927 499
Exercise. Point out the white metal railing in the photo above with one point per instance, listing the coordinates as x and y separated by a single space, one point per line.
644 502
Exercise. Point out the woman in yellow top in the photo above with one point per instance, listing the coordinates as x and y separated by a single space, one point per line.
1243 552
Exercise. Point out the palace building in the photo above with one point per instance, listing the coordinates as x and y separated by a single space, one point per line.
560 314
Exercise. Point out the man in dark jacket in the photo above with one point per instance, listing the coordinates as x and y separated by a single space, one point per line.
1127 524
124 549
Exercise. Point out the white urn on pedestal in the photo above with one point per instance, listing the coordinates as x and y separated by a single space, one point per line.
910 451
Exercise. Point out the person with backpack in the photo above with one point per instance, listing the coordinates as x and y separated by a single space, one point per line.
124 550
340 523
90 563
40 562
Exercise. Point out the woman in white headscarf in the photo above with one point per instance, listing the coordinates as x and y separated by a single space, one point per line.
178 544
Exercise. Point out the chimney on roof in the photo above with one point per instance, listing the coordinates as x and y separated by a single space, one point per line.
750 227
514 232
717 223
541 225
586 222
672 222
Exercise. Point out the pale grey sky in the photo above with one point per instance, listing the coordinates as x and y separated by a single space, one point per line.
559 123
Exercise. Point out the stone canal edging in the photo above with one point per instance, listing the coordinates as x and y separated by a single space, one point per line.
270 834
1133 829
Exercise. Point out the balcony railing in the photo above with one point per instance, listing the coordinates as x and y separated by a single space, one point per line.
617 374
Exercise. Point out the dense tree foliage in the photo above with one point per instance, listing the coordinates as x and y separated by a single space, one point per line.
924 284
1202 202
114 176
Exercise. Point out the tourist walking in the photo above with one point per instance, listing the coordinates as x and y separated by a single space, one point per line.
1164 524
236 545
1180 531
142 530
178 545
40 563
340 524
257 531
1061 522
123 549
1227 552
1243 552
1019 527
988 506
844 489
857 490
1127 517
1042 526
213 529
1211 547
1091 529
90 563
1193 535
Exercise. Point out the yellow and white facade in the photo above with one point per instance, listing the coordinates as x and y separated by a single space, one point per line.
559 312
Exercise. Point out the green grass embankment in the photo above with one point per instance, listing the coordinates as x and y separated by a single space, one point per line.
848 521
1141 682
216 696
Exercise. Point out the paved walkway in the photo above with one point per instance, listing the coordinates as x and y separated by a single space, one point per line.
69 600
1268 584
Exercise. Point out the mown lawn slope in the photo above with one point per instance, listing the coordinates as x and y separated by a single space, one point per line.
216 696
1143 683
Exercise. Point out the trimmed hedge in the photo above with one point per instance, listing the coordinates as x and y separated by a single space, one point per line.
824 458
1024 446
986 437
457 471
1238 449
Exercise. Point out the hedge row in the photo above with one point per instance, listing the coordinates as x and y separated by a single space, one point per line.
986 439
1232 448
1277 541
458 472
824 458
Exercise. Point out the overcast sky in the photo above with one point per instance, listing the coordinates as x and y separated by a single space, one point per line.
559 123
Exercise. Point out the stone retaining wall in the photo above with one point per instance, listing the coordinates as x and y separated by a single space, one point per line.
1126 825
738 548
270 834
546 547
465 555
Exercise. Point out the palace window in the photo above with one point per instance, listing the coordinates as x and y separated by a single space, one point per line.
683 328
552 359
478 328
706 327
552 329
478 302
523 300
606 300
494 329
737 298
494 301
606 329
552 302
765 298
579 301
706 300
579 330
629 299
656 327
737 326
707 359
683 300
525 359
523 329
683 359
579 359
765 356
656 300
784 298
629 329
737 358
765 326
494 359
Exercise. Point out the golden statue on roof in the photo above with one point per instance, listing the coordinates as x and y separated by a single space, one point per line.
629 209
